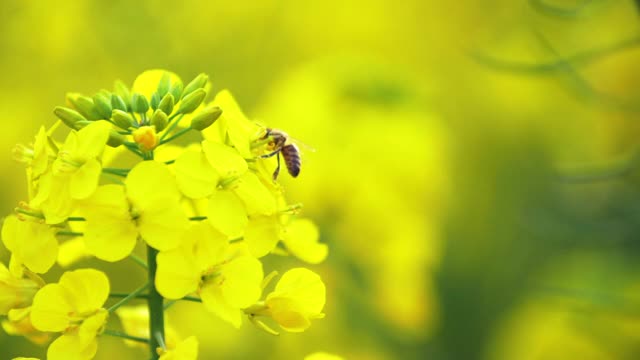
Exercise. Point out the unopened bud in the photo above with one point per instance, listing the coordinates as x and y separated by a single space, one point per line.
117 103
164 85
103 105
116 139
70 117
139 103
176 90
122 119
146 138
155 101
84 105
166 104
123 91
198 83
160 120
205 118
191 102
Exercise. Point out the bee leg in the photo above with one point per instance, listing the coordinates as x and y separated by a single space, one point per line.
270 155
277 171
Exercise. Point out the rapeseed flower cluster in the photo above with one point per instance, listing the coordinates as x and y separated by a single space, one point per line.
208 210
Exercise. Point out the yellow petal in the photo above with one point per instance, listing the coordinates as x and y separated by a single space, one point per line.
150 183
184 350
196 178
255 195
54 198
71 347
86 289
224 159
288 314
91 140
110 233
72 251
301 239
92 326
241 286
32 244
210 246
51 308
162 227
177 274
240 130
227 214
215 302
262 235
85 180
304 286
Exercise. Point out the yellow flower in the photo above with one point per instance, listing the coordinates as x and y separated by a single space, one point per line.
297 299
36 158
32 244
73 306
19 324
185 350
135 321
233 124
301 240
74 174
147 206
199 173
15 292
227 278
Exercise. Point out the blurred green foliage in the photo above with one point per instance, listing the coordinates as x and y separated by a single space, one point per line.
476 165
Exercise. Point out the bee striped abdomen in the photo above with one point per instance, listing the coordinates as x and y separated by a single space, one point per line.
291 156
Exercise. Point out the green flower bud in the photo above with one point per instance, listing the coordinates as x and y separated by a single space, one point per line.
70 117
176 90
191 102
84 105
164 85
139 103
116 139
103 105
166 104
205 118
117 103
198 83
122 119
122 90
160 120
155 100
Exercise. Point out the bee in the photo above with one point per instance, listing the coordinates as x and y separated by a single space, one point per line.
290 152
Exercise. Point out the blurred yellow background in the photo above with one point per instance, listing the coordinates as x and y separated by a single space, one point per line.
456 144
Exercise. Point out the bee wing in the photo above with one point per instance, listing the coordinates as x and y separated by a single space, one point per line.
300 144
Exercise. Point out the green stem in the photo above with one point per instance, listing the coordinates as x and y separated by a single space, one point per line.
138 260
113 171
128 298
172 125
176 135
155 303
198 218
124 295
122 335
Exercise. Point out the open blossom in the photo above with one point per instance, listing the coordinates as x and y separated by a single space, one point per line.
226 277
32 243
73 307
297 299
15 292
148 206
74 174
